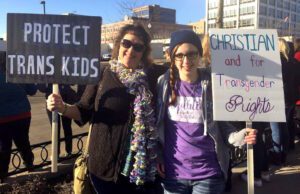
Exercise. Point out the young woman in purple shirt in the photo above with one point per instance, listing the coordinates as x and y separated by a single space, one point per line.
194 156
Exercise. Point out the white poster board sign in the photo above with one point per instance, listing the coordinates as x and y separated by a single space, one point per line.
246 75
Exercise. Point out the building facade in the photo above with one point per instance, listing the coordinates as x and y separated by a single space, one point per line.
198 27
283 15
155 13
153 18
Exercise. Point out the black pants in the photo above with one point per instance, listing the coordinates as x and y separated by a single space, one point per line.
17 131
67 127
290 122
124 186
260 153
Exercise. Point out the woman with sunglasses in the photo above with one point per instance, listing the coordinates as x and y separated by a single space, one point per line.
195 157
123 136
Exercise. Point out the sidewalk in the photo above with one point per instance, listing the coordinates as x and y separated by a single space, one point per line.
284 179
41 180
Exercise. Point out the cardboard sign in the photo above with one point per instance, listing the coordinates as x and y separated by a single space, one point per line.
53 49
246 75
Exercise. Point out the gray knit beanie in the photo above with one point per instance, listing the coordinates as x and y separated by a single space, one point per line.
185 36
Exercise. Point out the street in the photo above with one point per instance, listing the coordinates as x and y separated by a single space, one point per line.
40 129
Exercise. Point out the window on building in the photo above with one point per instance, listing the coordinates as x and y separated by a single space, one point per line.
264 1
229 24
279 3
247 10
279 14
271 23
293 17
298 27
246 22
212 15
298 8
293 7
272 2
229 2
229 13
167 17
262 23
285 25
211 25
286 5
246 1
271 12
263 10
143 13
298 19
212 4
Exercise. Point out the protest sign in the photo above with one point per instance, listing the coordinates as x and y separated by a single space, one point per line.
53 48
246 75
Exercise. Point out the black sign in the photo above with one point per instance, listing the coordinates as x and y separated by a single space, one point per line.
53 48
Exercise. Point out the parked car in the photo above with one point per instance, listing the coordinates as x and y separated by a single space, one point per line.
106 57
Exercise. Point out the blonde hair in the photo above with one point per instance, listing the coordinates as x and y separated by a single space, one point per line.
284 48
206 58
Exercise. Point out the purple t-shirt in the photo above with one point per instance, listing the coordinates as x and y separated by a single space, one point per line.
188 153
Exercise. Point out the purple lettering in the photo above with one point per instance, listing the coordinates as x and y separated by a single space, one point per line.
261 105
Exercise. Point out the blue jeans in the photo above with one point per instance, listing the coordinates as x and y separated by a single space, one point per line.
206 186
279 136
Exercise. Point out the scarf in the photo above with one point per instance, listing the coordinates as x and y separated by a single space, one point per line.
144 138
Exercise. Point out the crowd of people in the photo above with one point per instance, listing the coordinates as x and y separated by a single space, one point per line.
152 126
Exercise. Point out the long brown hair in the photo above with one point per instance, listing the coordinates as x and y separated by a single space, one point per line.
174 75
139 31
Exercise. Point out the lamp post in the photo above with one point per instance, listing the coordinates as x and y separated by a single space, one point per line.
149 27
44 6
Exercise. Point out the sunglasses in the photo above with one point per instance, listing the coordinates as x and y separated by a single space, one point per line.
136 46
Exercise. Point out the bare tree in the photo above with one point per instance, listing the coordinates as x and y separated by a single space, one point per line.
219 19
125 7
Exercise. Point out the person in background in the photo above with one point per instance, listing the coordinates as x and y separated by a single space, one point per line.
15 117
122 147
167 57
283 134
69 96
297 49
206 58
194 157
291 82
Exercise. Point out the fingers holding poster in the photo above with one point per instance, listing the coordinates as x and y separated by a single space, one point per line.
246 76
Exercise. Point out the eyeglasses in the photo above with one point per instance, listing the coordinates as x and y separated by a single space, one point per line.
136 46
190 56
